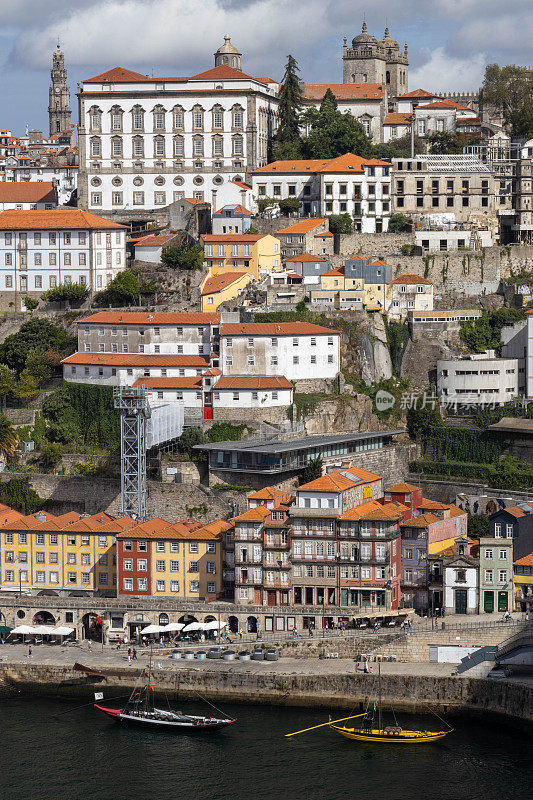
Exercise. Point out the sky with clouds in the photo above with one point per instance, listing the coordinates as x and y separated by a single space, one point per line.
450 41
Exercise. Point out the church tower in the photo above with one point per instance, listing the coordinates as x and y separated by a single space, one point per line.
371 61
59 96
228 55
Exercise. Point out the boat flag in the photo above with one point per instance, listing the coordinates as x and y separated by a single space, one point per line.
152 688
98 695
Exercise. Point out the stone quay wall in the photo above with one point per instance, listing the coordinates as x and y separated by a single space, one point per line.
343 691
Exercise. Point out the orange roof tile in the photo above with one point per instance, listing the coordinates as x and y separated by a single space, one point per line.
268 493
417 93
306 257
359 511
155 318
325 235
55 219
394 118
526 561
351 163
432 505
401 488
256 514
242 184
377 263
218 526
332 482
194 201
421 521
304 226
329 273
236 210
253 382
136 360
190 382
118 75
224 72
344 91
293 166
273 329
27 192
157 240
364 474
445 104
219 282
411 280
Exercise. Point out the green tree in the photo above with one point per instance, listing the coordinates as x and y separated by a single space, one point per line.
7 382
19 495
27 387
50 455
31 303
38 366
76 413
183 258
340 223
312 471
422 422
35 333
287 143
188 439
224 431
445 143
8 437
510 90
123 290
484 333
332 133
398 223
478 526
398 148
66 291
289 205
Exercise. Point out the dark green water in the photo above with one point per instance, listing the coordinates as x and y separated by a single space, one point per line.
83 756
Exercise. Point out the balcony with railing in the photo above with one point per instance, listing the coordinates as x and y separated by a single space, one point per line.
277 564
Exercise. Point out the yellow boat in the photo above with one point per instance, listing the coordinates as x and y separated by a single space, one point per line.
391 735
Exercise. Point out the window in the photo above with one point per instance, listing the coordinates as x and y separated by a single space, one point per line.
194 587
502 576
128 584
142 584
174 586
211 567
174 566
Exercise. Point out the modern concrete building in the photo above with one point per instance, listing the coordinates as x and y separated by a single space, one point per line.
477 379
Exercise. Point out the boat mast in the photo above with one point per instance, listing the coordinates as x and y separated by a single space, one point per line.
149 679
379 709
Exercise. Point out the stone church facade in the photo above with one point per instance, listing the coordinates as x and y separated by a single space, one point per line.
371 61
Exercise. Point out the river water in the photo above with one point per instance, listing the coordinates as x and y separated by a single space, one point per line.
83 755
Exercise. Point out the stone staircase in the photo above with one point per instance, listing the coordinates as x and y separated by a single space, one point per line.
414 646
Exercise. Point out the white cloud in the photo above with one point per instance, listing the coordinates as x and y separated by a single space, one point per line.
443 72
502 33
174 31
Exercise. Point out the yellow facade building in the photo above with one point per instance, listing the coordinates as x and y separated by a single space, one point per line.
217 289
62 554
247 252
183 560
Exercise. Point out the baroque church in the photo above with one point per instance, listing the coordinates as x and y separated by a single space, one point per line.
59 96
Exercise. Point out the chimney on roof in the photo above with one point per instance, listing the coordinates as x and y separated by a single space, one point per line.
41 516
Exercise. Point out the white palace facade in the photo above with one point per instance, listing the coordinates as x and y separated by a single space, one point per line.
146 142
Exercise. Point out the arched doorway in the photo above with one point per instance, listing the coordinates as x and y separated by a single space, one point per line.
44 618
251 625
209 618
233 623
92 626
163 619
186 618
47 593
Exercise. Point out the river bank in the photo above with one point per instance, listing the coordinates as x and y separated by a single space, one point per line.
334 684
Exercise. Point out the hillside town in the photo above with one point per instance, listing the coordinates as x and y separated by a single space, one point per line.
265 371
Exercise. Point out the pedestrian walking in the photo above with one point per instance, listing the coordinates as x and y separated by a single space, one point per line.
29 651
129 652
134 655
90 645
129 657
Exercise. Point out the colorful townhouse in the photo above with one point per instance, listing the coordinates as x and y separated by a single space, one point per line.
523 581
218 289
159 559
245 252
61 555
496 586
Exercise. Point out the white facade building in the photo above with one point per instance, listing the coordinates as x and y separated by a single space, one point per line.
364 101
27 196
347 184
478 379
145 142
40 250
23 168
296 350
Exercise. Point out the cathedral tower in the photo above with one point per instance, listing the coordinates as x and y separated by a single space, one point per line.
370 61
59 99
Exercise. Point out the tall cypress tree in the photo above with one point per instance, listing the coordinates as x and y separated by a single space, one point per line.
287 142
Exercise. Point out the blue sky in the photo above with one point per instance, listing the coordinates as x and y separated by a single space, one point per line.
450 41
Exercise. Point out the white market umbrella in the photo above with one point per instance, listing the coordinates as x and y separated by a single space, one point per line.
23 630
62 631
214 625
194 626
173 627
152 629
44 630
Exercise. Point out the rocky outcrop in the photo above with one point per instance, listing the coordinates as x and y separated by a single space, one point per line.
342 414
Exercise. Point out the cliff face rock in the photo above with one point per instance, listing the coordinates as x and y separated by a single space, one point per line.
342 414
368 353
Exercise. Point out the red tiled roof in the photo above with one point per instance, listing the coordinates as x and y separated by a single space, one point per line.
411 280
526 561
27 192
351 163
377 263
137 360
432 505
345 163
324 235
254 382
292 166
242 184
256 514
402 488
306 257
155 318
224 72
237 210
219 282
170 383
332 482
273 329
364 474
417 93
194 201
268 493
56 219
395 118
157 240
118 75
304 226
338 271
344 91
445 104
